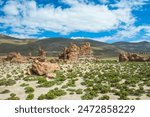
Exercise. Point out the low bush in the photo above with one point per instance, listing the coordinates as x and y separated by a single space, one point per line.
5 91
24 85
41 97
29 90
104 97
13 97
30 96
79 91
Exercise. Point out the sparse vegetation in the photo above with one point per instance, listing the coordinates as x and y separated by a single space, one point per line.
13 97
89 80
104 97
5 91
7 82
30 96
29 89
24 85
52 94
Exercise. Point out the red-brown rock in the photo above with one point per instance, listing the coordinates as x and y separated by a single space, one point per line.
43 68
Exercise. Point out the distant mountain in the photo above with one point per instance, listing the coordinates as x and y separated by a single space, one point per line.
139 47
7 37
13 40
54 46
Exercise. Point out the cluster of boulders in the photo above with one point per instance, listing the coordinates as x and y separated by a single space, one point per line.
132 57
15 57
73 52
43 68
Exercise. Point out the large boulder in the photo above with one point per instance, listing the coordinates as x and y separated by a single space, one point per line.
43 68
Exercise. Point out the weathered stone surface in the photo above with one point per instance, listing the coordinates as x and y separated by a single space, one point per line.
43 68
86 50
42 52
15 57
148 59
123 57
131 57
51 75
73 52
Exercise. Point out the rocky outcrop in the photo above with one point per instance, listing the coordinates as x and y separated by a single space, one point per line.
43 68
71 53
15 57
42 52
41 55
123 57
86 50
131 57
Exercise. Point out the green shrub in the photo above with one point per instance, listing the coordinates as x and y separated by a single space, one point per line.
148 94
12 94
87 97
13 97
2 82
71 83
104 97
7 82
29 90
71 93
41 80
41 97
29 78
5 91
47 84
24 85
79 91
10 82
30 96
52 94
64 86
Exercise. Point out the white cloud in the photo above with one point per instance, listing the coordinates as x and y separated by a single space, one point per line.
27 18
80 17
104 1
11 8
134 4
128 33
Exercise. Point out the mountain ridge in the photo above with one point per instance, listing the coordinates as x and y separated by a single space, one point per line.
54 46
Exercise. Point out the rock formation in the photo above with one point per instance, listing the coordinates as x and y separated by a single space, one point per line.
131 57
86 50
15 57
71 53
42 52
41 55
43 68
123 57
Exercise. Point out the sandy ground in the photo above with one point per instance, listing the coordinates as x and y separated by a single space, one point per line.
12 71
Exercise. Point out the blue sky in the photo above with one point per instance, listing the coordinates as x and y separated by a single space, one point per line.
102 20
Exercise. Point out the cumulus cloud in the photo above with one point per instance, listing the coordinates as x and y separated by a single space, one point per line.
128 33
28 18
11 8
80 17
